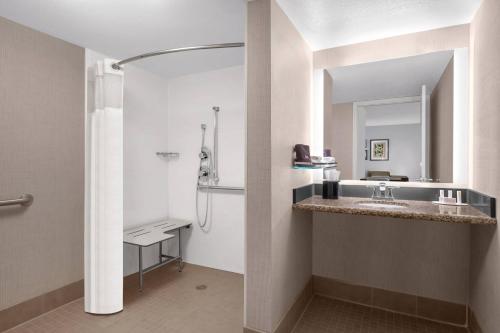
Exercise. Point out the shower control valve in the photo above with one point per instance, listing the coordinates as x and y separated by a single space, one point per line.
204 154
203 173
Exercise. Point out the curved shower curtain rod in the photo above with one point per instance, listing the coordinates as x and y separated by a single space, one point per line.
118 64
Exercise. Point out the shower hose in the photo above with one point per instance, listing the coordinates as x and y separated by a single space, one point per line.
202 220
204 178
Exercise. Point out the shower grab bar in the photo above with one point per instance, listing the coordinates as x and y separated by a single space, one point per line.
24 200
221 188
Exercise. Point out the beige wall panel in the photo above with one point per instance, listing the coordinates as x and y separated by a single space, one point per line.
291 73
338 130
485 86
420 258
42 153
279 250
394 47
258 167
441 163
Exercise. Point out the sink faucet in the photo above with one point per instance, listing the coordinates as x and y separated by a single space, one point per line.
382 191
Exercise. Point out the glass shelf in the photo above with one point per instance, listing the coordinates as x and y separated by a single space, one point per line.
314 167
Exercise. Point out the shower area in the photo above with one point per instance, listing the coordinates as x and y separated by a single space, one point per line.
183 158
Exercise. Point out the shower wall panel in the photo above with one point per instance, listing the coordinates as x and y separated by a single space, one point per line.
190 101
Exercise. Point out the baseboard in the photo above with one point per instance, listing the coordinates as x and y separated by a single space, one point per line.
292 316
250 330
39 305
417 306
473 323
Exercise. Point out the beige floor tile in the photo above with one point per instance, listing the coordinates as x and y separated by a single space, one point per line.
169 302
325 315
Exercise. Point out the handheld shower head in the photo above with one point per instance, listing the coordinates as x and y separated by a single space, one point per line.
203 130
216 108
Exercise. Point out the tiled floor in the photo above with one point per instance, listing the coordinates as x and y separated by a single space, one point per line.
170 303
325 315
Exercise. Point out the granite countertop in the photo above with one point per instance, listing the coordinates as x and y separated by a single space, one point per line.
415 210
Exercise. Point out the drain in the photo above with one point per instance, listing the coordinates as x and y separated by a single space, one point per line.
201 287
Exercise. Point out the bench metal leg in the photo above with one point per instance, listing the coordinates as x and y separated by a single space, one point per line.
161 261
141 274
180 263
160 255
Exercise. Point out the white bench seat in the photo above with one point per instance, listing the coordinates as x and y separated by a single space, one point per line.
155 233
152 233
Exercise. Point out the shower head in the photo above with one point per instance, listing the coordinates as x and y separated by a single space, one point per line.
203 131
216 108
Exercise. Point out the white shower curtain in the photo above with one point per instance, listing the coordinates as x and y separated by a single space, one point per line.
104 225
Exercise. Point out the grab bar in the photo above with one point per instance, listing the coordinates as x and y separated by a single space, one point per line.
24 200
221 188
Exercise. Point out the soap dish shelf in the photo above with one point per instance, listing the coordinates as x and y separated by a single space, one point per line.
167 154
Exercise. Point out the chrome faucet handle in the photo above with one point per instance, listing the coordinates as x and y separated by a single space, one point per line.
389 193
382 191
375 191
382 188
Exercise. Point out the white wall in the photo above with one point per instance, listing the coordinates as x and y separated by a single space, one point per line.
393 114
145 174
190 101
145 132
161 115
404 149
358 139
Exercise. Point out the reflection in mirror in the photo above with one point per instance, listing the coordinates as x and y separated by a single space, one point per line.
398 120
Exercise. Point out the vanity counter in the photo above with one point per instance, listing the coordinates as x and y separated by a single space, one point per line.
405 209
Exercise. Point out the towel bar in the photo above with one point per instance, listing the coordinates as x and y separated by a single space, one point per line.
24 200
221 188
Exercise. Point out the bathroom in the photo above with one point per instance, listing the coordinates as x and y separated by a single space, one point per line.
203 140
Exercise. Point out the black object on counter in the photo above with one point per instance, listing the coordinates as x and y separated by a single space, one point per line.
330 189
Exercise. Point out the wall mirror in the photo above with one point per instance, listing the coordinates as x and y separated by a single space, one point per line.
401 119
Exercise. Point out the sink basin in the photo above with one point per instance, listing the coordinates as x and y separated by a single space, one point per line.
382 204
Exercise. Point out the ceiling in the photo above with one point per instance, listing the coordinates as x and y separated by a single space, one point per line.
330 23
125 28
402 77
